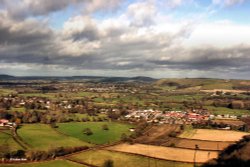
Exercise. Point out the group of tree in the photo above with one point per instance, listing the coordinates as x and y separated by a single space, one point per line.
35 155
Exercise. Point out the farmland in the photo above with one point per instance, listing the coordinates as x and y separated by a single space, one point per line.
172 119
43 137
166 153
99 135
213 135
98 157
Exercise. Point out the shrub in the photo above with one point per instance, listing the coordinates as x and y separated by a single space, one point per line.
87 131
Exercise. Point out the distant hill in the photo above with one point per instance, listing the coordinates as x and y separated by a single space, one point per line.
178 83
204 83
128 79
84 78
6 77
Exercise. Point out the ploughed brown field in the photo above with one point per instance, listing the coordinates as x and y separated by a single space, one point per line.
158 135
166 153
213 135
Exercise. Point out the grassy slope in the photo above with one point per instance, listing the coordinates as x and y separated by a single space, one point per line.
204 83
123 160
56 163
43 137
99 136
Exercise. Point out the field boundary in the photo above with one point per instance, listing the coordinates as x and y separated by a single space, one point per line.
205 140
208 140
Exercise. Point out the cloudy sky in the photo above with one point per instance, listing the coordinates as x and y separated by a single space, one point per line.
156 38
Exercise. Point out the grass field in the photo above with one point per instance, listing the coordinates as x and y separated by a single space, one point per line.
5 92
43 137
80 116
224 110
123 160
213 135
47 95
167 153
20 109
8 142
100 136
55 163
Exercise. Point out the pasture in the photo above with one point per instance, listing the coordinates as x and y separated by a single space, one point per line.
99 136
224 110
7 142
213 135
166 153
43 137
98 157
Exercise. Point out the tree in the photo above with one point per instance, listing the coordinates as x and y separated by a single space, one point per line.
108 163
87 131
124 137
105 127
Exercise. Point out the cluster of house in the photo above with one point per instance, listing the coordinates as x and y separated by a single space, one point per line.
7 123
173 117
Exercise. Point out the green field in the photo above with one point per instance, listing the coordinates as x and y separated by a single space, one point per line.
43 137
99 136
5 92
55 163
19 109
47 95
123 160
7 142
91 118
224 110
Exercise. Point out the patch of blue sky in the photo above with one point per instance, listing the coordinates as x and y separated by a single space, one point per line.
238 13
57 19
187 11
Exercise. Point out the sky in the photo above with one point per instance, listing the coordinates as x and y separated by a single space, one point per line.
155 38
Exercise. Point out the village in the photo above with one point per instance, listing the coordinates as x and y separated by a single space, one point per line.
188 117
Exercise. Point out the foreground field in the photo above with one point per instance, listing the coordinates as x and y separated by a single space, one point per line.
98 157
99 136
56 163
166 153
213 135
43 137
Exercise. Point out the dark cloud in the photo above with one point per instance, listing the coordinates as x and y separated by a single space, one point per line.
20 9
24 32
131 42
234 58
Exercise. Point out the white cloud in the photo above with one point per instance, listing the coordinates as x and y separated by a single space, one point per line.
219 34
